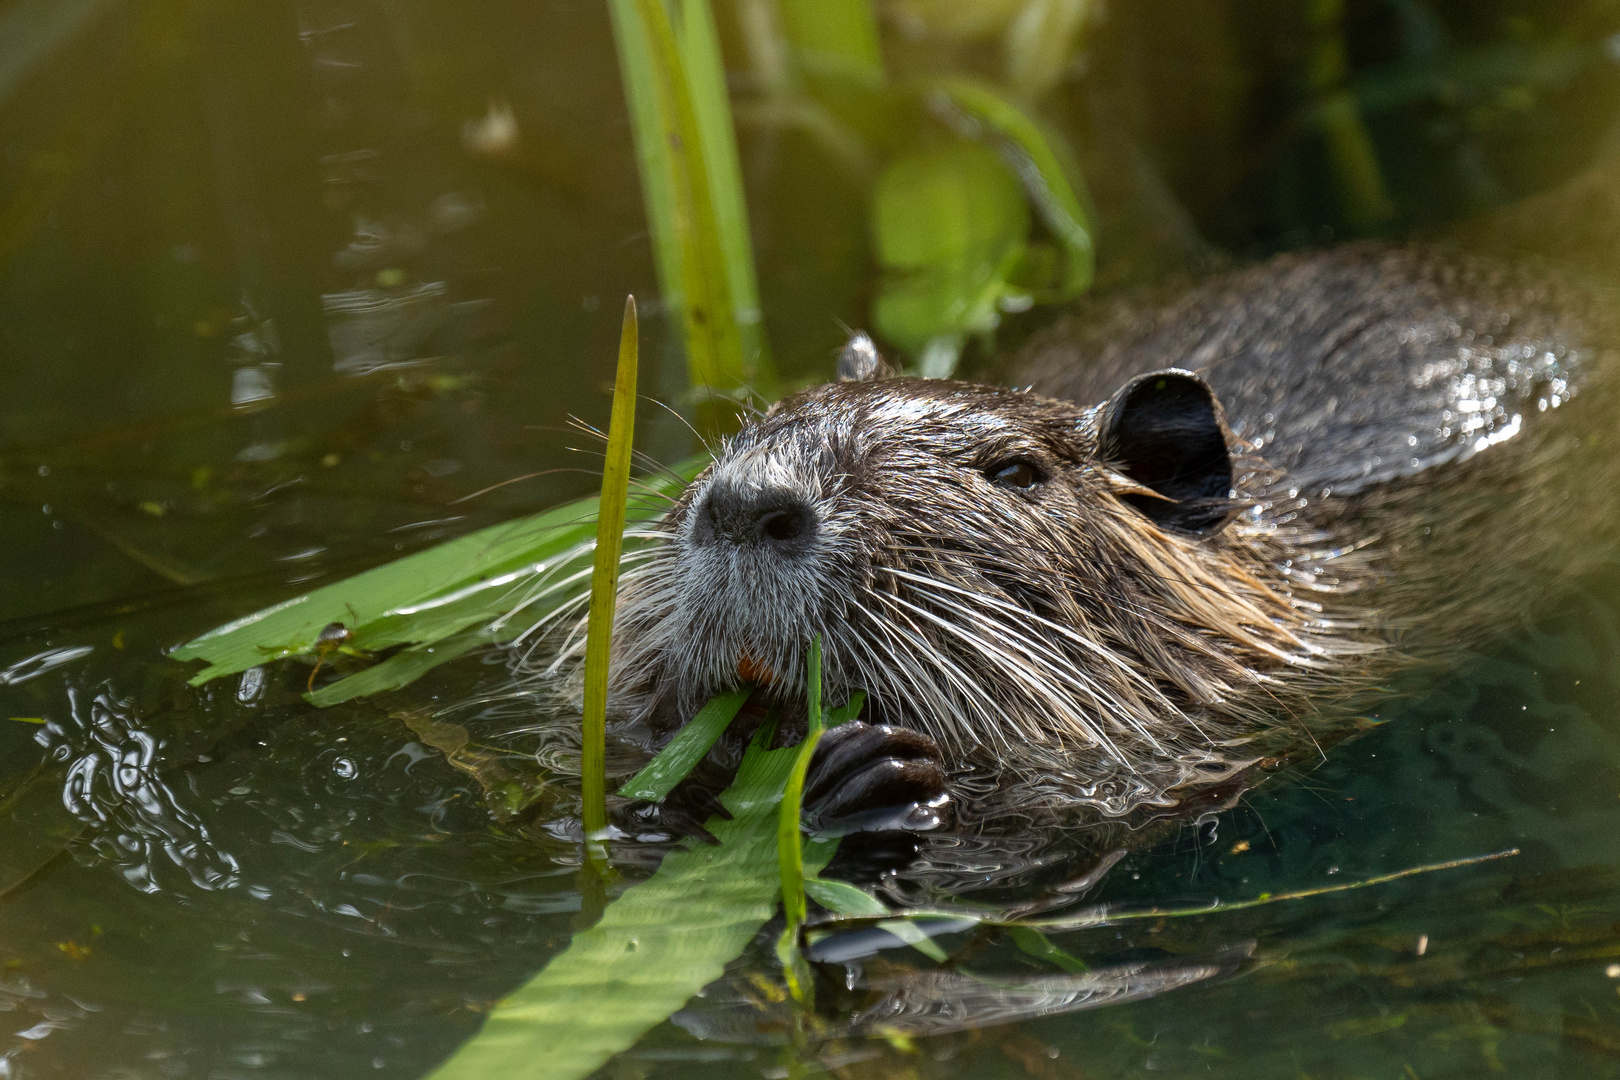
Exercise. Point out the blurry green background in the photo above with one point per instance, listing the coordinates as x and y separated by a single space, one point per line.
277 278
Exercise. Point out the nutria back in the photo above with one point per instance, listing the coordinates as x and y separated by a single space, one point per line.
1351 367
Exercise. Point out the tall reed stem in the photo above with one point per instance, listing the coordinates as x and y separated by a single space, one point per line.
605 577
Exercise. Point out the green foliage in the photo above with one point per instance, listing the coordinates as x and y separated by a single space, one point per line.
691 184
840 57
686 749
1043 165
605 575
655 946
484 588
950 225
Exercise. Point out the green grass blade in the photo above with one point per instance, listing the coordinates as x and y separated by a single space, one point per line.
399 670
291 627
849 710
711 106
654 157
679 192
1036 944
605 574
662 773
789 842
430 596
1040 160
654 947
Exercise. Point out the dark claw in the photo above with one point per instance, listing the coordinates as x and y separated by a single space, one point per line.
876 778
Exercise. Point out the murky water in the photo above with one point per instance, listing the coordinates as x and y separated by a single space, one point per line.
266 319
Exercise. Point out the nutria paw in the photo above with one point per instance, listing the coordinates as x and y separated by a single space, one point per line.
876 778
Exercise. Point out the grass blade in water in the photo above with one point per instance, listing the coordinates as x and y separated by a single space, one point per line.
654 947
605 576
790 842
662 773
429 596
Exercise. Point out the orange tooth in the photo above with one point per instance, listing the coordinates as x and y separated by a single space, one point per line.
751 670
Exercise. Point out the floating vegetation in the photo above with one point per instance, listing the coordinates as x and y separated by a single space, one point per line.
655 946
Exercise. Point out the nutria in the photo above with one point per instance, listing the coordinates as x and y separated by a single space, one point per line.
1200 533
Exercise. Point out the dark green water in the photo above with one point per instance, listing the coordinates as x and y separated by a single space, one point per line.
264 319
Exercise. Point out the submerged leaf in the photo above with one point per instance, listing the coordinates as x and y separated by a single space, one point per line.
507 792
1038 945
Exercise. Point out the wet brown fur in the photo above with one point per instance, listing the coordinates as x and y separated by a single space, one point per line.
1069 653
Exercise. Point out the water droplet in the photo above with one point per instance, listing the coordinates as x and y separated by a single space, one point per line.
345 769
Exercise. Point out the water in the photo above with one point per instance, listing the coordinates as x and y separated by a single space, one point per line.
264 318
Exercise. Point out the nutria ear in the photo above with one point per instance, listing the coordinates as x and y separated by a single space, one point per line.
859 360
1164 430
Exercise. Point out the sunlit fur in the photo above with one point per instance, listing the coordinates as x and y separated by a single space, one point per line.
1060 647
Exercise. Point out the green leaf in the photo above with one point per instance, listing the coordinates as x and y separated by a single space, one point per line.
1038 945
655 781
655 946
399 670
849 710
950 224
835 37
501 579
660 775
843 898
1040 43
1041 160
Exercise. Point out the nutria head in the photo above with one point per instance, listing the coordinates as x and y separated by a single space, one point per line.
1072 595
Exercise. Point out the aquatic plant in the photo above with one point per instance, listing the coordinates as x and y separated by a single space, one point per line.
605 577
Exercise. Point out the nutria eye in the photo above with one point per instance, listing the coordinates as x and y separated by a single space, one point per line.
1018 474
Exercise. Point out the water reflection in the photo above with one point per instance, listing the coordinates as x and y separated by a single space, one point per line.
113 785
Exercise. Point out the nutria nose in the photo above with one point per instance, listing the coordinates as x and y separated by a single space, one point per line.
775 517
